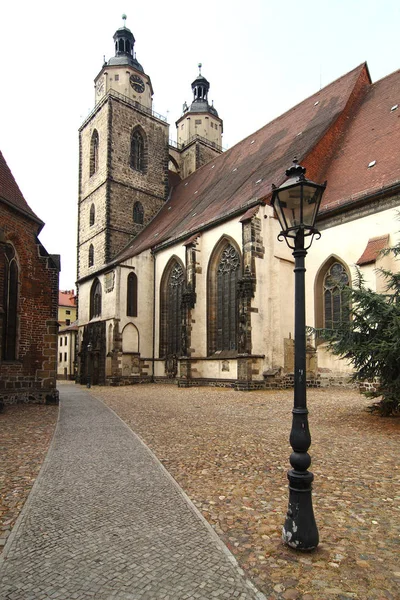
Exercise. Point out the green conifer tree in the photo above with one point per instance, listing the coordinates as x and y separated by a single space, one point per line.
370 338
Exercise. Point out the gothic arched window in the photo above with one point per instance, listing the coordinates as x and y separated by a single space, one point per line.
132 296
331 302
91 256
92 215
137 161
335 302
224 272
138 213
95 299
10 304
172 286
94 152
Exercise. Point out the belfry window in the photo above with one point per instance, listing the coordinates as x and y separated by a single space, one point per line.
137 161
94 152
171 300
95 299
223 276
138 213
10 304
132 296
335 302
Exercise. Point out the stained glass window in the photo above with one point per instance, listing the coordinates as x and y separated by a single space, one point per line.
335 302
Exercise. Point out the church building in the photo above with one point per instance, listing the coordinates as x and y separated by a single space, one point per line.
180 273
28 301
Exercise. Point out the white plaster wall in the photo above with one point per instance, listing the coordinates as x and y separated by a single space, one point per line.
348 241
274 295
143 268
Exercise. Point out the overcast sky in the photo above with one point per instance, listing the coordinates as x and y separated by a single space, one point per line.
261 58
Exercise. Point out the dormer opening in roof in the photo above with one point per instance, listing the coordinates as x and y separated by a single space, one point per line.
200 122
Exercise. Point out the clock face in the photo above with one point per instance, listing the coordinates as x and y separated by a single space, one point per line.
100 86
137 83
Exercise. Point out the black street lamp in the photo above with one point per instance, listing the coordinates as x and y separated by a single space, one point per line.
89 365
296 203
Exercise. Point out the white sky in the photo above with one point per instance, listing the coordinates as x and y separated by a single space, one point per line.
261 57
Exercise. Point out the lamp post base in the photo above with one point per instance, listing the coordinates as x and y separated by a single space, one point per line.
300 529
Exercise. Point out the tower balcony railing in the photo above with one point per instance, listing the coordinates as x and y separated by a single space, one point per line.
198 138
137 105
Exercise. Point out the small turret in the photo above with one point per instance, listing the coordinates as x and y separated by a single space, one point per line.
124 41
201 118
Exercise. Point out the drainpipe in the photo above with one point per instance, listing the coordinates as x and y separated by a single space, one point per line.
154 312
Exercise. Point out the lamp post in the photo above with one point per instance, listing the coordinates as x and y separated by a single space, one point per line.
89 365
296 203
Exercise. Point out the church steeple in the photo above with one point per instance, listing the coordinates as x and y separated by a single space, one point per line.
124 42
123 74
201 118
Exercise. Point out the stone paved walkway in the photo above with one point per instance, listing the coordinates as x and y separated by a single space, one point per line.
106 521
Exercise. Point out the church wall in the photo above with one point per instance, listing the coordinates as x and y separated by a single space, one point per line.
99 121
143 268
272 315
162 259
31 377
124 120
348 241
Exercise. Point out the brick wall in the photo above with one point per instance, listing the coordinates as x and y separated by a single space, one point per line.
32 377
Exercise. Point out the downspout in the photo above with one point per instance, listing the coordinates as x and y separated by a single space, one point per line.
154 313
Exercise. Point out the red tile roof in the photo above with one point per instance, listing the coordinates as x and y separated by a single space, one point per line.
372 250
372 138
243 175
67 298
11 194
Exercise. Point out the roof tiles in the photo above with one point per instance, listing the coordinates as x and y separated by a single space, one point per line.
242 176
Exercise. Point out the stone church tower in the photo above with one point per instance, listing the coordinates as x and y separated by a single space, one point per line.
198 131
123 159
127 170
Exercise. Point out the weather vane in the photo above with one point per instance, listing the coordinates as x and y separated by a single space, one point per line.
199 65
124 18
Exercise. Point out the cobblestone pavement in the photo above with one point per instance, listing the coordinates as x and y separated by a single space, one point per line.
229 451
25 434
106 521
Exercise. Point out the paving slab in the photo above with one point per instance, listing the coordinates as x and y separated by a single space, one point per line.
106 521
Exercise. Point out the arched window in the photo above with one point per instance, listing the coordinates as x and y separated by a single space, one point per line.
132 296
10 304
95 299
91 256
94 152
223 275
330 298
172 286
138 213
137 151
92 215
334 296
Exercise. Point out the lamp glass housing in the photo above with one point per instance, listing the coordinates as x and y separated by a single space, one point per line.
296 203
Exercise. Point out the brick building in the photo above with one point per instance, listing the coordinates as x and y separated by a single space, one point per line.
28 301
180 272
